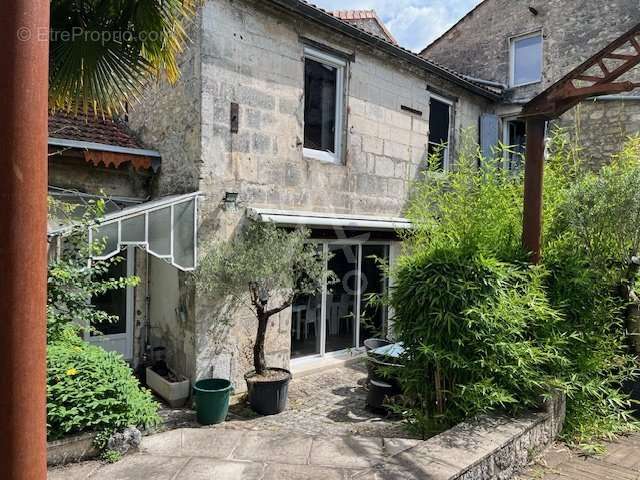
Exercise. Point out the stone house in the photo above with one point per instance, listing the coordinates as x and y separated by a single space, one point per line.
524 46
288 114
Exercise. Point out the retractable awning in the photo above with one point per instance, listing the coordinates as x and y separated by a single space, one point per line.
166 228
328 220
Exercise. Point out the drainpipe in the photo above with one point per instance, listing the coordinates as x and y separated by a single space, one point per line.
615 98
24 27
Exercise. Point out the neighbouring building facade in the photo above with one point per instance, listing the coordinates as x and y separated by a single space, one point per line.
524 46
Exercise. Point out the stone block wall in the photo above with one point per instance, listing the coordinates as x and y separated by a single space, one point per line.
602 127
247 53
479 44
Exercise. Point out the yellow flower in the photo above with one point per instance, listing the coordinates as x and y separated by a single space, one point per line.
72 371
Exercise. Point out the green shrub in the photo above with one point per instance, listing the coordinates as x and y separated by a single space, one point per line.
480 334
591 234
483 330
72 281
89 389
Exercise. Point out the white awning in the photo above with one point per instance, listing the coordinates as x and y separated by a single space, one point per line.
166 228
328 220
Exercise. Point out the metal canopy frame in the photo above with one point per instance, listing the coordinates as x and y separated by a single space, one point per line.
597 76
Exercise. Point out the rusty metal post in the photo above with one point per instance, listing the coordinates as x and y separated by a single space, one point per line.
24 28
533 180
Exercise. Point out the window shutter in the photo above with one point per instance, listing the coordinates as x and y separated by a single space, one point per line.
489 134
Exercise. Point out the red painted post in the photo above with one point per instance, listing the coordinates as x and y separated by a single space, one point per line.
533 181
24 28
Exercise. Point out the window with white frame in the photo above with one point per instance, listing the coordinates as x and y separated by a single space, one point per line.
439 129
526 59
323 105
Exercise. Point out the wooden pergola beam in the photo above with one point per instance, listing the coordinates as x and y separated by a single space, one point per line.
565 94
556 100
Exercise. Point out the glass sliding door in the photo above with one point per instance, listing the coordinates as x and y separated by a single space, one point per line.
341 317
340 331
306 315
373 281
306 322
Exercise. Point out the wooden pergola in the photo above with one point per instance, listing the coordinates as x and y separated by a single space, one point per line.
600 75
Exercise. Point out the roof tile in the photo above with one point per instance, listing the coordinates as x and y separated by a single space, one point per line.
91 128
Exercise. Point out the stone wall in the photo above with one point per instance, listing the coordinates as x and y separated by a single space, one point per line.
602 127
246 53
484 448
168 119
479 44
70 171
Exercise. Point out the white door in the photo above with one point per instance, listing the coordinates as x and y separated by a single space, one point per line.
117 336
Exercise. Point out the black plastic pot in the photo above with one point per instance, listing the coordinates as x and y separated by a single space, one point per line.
378 394
373 343
268 398
374 369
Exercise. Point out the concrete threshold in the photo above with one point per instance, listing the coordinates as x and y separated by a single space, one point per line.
318 365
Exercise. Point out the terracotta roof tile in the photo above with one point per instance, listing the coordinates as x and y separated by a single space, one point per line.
354 16
89 128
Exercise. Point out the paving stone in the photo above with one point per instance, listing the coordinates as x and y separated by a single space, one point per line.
212 469
308 472
167 443
140 467
346 452
393 446
210 442
332 402
78 471
273 447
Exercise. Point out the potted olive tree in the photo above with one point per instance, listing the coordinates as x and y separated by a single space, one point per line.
263 269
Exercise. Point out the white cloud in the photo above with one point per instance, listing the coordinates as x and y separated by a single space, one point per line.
414 23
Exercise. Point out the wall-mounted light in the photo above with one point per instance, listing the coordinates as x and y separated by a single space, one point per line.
533 10
230 201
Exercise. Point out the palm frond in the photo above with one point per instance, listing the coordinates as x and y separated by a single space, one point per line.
104 51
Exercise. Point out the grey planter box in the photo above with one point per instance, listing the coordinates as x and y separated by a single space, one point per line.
175 394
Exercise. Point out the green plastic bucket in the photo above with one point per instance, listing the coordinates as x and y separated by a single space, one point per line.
212 400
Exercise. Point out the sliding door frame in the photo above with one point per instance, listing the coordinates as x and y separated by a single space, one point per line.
326 244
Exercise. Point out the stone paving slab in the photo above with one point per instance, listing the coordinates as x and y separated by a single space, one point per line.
274 448
214 469
210 442
309 472
141 467
78 471
347 452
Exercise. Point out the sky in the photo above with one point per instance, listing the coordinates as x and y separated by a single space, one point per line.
414 23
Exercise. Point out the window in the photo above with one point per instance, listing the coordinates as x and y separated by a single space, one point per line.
323 105
515 138
439 129
526 59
